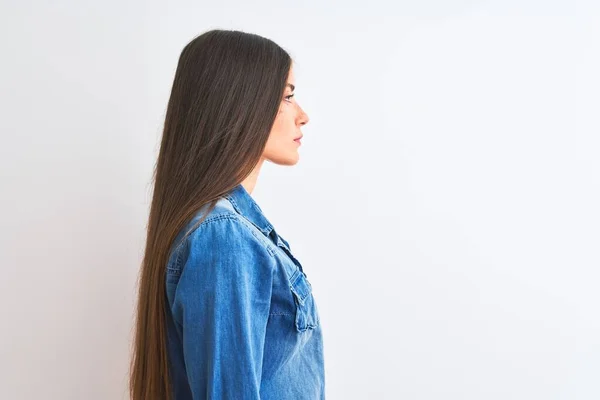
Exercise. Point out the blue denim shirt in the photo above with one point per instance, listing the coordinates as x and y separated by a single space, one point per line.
242 319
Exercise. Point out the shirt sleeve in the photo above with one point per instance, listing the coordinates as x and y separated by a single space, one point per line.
223 300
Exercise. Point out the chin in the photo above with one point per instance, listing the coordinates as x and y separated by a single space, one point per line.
286 160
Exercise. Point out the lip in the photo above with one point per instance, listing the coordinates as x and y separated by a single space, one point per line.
298 138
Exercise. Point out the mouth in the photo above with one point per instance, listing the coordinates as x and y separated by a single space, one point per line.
297 140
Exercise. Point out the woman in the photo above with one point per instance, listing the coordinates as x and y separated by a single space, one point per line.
225 310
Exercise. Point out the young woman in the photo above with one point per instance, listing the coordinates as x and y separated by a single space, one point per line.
225 310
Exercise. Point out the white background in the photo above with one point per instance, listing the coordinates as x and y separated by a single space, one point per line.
445 206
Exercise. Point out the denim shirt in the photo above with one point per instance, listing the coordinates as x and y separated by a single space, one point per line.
242 319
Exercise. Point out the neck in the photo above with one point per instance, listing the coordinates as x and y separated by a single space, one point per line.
251 179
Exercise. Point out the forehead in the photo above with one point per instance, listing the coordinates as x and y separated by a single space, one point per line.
291 76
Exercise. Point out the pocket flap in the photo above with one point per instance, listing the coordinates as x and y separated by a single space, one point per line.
301 287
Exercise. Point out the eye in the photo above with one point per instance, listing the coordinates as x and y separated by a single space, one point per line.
289 97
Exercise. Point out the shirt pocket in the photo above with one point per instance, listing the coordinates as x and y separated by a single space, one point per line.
307 315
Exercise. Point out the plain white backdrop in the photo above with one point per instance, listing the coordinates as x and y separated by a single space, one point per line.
445 205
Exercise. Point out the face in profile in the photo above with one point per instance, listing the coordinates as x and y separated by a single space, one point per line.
283 143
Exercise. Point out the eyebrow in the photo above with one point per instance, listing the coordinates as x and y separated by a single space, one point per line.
291 86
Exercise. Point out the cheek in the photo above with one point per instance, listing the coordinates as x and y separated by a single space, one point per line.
285 120
279 125
283 127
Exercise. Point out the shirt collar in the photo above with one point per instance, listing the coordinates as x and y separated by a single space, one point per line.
244 204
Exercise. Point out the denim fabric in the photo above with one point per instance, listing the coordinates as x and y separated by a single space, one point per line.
242 320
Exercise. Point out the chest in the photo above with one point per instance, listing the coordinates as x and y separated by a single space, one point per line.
292 295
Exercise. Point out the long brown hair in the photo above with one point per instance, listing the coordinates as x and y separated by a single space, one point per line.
226 93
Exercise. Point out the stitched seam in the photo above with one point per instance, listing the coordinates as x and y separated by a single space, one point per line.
238 210
233 217
250 226
213 218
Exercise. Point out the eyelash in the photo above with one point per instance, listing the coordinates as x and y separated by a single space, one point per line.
290 96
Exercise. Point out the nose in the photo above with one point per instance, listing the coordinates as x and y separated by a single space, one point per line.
303 117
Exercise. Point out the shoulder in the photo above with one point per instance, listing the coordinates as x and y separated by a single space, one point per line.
223 234
225 225
229 232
